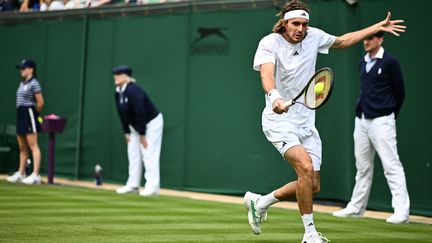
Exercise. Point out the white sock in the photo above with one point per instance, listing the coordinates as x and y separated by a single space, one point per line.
266 201
308 223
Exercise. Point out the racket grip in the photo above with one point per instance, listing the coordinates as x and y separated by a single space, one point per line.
289 103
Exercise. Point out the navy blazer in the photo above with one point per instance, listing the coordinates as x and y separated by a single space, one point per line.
135 108
382 89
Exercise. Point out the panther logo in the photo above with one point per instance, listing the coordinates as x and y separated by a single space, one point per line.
206 32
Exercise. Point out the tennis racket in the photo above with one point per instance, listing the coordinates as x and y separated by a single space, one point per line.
322 79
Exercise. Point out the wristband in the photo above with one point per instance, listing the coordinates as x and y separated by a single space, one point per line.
274 95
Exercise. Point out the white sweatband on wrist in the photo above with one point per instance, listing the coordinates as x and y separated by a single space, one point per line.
274 95
296 14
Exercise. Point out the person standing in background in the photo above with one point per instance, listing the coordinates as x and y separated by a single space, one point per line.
143 127
29 103
380 99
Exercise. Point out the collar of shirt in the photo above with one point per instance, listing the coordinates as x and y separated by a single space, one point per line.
379 55
27 81
122 88
293 46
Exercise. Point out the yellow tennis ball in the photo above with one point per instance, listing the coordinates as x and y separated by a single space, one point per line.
40 119
319 88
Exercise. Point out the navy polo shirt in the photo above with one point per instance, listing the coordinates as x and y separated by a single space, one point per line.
135 108
382 89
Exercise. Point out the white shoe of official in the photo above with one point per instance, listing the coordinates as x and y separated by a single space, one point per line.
397 219
255 215
126 189
149 193
347 212
316 237
16 177
32 179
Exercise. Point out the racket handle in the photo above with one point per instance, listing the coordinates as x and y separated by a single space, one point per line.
289 103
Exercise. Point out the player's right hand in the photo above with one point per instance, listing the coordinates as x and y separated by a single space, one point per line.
279 107
127 137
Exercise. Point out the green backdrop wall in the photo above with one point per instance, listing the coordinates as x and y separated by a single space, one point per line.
209 94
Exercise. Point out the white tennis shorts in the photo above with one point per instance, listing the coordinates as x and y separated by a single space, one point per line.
284 136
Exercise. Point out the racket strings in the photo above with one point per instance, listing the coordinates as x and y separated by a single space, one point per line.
313 99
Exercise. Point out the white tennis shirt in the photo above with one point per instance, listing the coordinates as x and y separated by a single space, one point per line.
294 66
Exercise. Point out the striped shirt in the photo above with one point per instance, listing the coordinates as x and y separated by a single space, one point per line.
26 92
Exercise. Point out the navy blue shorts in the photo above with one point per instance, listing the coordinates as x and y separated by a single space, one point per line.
27 120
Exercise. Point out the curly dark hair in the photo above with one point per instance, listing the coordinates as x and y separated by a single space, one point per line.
279 27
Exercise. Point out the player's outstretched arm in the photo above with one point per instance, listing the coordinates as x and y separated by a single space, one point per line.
391 26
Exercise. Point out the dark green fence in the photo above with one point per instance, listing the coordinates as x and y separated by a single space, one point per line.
210 97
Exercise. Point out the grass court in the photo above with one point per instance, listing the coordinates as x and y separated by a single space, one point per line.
69 214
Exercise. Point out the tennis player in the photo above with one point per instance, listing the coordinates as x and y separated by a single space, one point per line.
143 127
286 60
29 103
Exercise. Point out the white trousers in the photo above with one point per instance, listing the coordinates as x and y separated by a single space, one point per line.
378 135
148 157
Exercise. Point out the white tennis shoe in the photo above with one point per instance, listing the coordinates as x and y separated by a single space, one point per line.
347 212
316 237
398 219
127 189
149 193
255 215
32 179
16 177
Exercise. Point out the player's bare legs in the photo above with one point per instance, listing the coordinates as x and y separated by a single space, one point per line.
23 153
34 178
307 184
34 147
19 176
302 163
304 187
288 191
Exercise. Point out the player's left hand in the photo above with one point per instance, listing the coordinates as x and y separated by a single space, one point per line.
392 26
143 141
